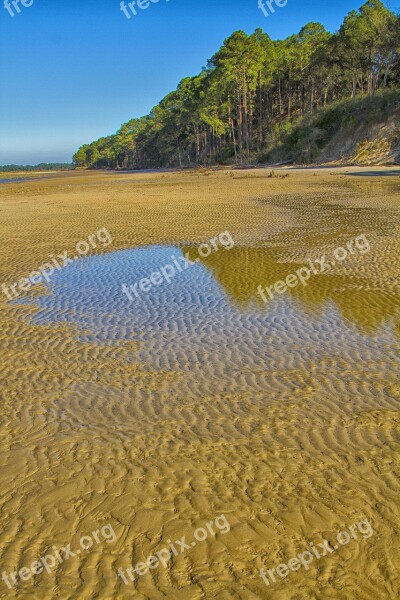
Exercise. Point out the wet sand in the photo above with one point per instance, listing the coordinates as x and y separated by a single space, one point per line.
281 416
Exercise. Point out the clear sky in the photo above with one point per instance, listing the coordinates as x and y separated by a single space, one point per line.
72 71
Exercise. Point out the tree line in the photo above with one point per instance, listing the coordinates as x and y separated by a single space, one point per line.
253 87
39 167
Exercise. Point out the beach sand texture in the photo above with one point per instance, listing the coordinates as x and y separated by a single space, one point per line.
199 399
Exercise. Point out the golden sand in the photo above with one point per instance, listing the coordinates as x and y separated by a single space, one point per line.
300 452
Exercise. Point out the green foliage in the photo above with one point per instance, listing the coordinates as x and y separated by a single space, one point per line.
253 92
39 167
303 141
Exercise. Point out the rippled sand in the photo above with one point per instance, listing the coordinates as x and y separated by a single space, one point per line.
159 415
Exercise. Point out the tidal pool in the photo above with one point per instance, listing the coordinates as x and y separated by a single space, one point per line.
210 326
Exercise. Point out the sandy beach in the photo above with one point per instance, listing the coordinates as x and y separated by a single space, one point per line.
199 399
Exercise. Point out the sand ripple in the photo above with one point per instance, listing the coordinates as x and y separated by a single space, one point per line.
198 399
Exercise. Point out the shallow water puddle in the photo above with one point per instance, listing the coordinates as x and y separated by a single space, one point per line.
209 322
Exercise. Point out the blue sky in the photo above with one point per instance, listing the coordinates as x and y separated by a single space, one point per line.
74 70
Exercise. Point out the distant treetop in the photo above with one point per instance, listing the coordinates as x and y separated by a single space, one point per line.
39 167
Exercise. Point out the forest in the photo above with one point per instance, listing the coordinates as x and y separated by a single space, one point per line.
254 89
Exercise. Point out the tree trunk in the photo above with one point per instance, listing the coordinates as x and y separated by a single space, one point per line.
353 95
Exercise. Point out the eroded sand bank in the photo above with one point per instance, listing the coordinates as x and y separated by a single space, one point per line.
283 417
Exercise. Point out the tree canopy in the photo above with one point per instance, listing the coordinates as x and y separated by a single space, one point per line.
251 86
